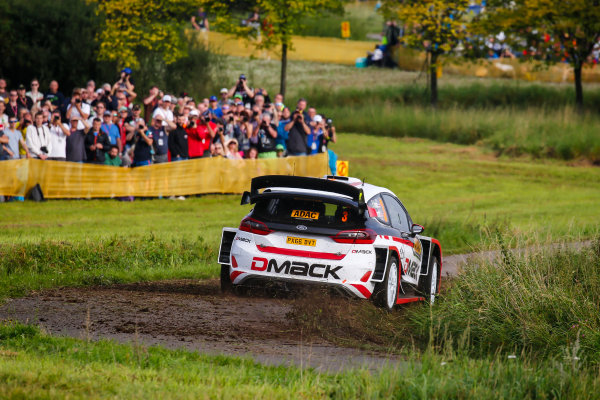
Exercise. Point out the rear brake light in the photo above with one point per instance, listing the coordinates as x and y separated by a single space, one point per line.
356 236
253 226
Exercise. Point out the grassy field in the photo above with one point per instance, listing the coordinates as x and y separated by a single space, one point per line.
35 365
463 195
507 116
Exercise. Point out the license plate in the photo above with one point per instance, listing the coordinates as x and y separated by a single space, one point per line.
305 214
301 241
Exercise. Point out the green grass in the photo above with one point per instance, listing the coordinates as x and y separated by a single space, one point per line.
35 365
459 193
362 17
31 266
543 304
510 117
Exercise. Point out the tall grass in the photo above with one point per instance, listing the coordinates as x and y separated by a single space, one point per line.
562 134
30 266
544 303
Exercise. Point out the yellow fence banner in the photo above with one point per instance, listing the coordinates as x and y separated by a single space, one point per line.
61 179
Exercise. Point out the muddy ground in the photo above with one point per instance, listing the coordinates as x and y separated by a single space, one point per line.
195 315
189 314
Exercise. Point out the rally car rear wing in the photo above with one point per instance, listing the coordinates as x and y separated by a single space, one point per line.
303 182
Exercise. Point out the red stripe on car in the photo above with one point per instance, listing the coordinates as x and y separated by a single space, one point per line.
409 300
300 253
403 241
363 290
235 274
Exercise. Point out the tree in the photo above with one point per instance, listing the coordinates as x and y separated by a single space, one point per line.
564 30
435 26
280 19
50 40
137 29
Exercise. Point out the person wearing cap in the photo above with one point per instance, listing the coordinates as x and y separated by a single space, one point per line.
22 99
164 112
125 83
232 150
314 140
15 138
213 108
111 130
78 109
59 132
237 100
224 97
241 87
160 141
280 151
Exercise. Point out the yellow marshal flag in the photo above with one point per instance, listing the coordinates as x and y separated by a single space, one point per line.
346 30
341 168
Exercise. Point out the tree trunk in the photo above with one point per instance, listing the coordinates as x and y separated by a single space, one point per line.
578 87
283 69
433 79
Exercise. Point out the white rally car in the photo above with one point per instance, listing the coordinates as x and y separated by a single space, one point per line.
332 231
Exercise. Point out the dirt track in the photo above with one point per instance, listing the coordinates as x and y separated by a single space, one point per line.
195 315
190 314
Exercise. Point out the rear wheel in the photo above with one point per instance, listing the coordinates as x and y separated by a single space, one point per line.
226 284
386 292
430 289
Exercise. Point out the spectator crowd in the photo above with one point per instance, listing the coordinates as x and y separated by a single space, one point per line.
111 125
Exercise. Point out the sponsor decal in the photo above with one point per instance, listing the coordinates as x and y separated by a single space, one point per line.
301 241
417 248
413 270
305 214
362 252
243 239
296 268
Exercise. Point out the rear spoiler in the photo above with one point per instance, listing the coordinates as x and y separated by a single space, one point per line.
303 182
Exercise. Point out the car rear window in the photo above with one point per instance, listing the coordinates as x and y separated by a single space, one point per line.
296 211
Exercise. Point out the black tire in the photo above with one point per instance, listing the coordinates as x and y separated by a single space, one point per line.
430 287
226 284
385 294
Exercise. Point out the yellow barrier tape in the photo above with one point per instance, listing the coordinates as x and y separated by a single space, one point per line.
60 179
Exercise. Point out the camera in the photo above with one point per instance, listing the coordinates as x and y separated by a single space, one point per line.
56 118
77 100
44 149
140 126
329 121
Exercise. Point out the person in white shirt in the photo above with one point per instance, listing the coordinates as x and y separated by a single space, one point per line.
163 110
38 138
59 132
34 94
78 108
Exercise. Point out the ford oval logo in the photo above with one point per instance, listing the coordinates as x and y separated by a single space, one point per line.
301 227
